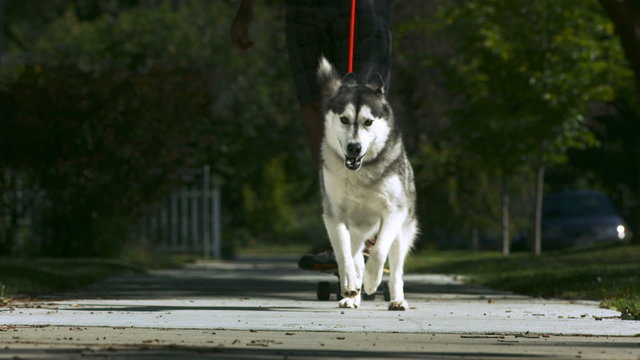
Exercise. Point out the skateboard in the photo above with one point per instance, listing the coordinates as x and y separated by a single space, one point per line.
324 262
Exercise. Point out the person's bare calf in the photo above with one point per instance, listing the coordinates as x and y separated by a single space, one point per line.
314 123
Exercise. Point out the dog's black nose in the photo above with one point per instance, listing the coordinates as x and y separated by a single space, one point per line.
353 149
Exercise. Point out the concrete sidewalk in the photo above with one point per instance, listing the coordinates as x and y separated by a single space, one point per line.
134 343
272 297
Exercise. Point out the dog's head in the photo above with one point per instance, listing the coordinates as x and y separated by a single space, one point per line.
356 116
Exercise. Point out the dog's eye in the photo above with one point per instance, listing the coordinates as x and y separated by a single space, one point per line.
344 120
368 122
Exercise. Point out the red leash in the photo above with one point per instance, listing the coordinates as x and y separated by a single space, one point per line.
352 34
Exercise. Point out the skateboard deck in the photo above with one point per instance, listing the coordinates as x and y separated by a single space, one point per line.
325 262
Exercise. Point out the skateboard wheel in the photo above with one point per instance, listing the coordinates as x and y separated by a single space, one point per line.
324 291
338 289
387 293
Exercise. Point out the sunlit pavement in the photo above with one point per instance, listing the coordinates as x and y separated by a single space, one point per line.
267 308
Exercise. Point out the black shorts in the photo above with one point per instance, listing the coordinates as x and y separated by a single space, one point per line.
321 27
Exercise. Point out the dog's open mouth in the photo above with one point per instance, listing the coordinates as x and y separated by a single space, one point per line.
353 163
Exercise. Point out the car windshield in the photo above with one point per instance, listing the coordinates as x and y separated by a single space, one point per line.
577 205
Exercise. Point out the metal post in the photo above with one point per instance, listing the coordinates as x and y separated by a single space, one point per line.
216 223
174 220
184 225
205 211
163 237
157 232
142 230
194 217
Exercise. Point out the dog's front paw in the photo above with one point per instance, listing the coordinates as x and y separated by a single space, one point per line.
350 287
398 305
350 302
372 278
369 287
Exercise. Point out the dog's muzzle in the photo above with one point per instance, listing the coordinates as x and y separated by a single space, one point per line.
352 158
353 163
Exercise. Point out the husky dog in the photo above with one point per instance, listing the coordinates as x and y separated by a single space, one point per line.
367 185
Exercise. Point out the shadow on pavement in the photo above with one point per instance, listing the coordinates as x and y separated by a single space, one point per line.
176 352
275 278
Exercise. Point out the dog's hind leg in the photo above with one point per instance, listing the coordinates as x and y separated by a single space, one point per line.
389 230
397 254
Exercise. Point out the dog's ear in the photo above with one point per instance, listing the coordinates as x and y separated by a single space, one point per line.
349 79
376 83
328 78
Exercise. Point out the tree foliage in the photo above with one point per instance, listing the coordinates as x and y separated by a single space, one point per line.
103 102
109 107
519 79
527 72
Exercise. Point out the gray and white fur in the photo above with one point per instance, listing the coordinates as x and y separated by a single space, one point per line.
367 186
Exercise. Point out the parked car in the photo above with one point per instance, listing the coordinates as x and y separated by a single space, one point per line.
578 218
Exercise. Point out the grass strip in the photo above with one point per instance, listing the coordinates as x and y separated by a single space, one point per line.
609 274
30 277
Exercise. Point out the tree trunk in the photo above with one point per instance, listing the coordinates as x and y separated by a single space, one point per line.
537 222
505 219
625 15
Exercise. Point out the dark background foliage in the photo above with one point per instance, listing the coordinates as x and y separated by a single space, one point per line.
102 103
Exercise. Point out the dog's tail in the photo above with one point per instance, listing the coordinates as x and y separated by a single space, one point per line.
328 78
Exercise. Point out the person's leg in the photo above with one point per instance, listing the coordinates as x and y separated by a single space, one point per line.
312 116
305 41
373 39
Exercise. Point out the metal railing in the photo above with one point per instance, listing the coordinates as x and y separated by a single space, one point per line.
189 219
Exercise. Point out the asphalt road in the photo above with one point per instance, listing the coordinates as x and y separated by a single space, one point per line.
266 309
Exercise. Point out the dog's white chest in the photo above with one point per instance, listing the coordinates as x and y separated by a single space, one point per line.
356 195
